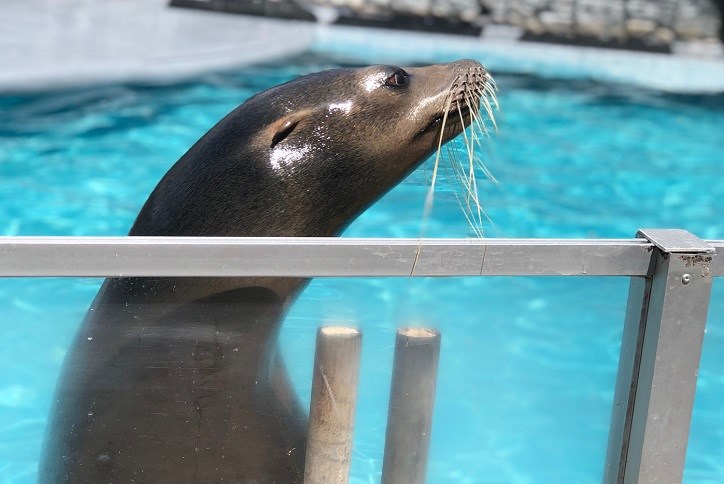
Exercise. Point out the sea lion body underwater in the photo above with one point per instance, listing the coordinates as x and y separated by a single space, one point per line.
178 379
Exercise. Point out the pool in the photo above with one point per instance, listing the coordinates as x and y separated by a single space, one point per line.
527 364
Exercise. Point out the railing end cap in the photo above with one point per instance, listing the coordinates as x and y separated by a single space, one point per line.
675 241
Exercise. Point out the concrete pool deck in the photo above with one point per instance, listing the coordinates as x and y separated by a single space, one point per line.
50 44
47 44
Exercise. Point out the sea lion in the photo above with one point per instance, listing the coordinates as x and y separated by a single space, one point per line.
178 379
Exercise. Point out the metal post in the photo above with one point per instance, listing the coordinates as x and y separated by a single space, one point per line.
412 397
660 353
331 416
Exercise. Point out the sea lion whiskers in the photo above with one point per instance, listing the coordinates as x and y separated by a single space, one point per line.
487 93
474 107
431 190
467 212
457 170
483 96
476 138
470 185
489 110
491 86
427 210
459 173
470 95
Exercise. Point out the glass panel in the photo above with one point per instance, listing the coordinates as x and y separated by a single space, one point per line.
524 386
38 320
705 454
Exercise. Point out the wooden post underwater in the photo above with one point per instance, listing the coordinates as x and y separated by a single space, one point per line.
334 395
412 397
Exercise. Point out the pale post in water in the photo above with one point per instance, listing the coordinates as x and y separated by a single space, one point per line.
334 394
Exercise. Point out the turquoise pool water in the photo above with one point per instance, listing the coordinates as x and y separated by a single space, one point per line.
527 365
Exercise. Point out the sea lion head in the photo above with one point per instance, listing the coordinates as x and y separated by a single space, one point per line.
306 157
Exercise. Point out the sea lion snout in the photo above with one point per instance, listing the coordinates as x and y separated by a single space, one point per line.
467 66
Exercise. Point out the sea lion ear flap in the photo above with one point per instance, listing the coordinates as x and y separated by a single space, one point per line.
284 126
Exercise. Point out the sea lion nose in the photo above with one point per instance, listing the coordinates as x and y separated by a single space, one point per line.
466 65
470 77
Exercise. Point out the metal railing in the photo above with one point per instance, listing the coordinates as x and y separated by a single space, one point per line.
671 275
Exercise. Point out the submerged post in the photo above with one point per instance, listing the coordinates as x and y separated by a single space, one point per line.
331 415
660 353
412 397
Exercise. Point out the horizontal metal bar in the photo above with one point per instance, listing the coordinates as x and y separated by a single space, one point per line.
318 257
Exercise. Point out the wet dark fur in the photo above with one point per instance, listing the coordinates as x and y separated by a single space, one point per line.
177 380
